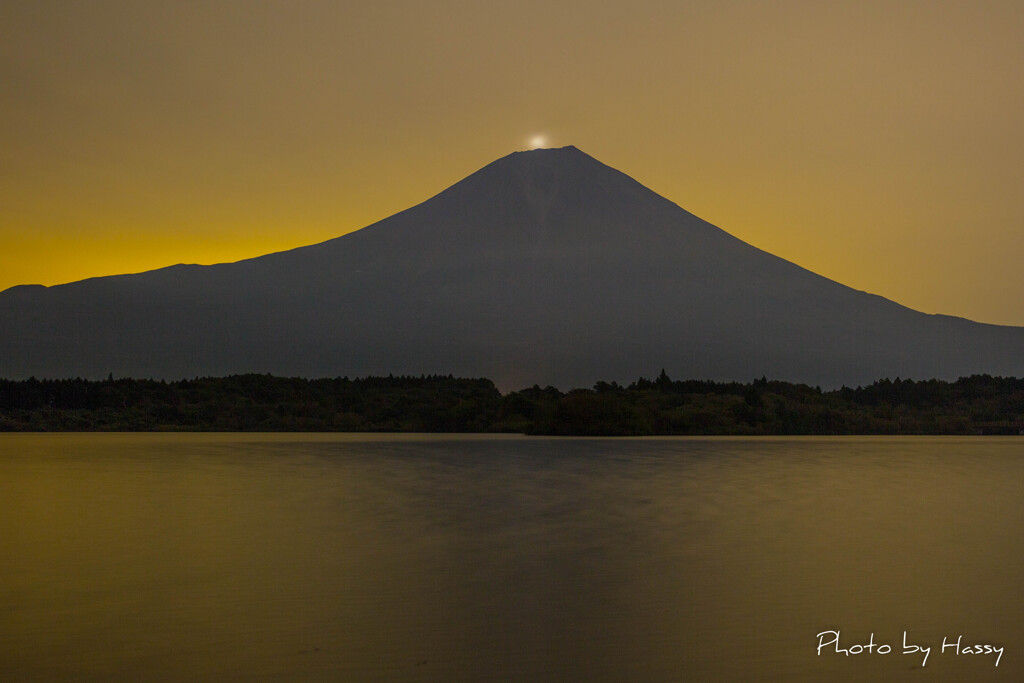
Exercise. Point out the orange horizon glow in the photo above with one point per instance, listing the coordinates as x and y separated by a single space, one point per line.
876 144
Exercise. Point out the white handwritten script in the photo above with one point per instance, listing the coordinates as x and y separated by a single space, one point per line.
829 643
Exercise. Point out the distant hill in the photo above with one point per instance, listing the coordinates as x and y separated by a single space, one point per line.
543 267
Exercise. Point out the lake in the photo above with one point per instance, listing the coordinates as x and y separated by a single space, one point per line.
220 557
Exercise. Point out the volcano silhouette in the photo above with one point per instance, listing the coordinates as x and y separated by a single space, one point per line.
543 267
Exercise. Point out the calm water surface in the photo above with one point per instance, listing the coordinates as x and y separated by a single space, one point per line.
355 557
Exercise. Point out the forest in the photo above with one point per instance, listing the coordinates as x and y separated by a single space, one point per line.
976 405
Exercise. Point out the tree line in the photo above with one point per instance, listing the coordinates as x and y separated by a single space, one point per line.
980 404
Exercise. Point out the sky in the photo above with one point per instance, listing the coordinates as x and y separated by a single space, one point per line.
877 143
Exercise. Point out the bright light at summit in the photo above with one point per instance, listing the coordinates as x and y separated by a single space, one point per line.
538 141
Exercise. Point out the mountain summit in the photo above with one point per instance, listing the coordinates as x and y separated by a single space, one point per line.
543 267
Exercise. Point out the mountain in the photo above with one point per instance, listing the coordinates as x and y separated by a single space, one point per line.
543 267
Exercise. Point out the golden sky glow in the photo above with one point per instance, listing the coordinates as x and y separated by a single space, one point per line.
878 143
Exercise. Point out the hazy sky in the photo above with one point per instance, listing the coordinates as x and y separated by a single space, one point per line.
880 144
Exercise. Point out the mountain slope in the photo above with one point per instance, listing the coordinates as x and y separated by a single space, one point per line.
544 266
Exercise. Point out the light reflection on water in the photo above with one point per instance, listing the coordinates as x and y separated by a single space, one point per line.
379 557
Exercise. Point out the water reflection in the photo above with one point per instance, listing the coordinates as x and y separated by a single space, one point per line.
291 557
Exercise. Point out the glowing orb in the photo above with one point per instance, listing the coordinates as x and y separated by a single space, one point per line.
538 141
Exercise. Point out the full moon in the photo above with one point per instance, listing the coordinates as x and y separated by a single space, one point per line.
537 141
